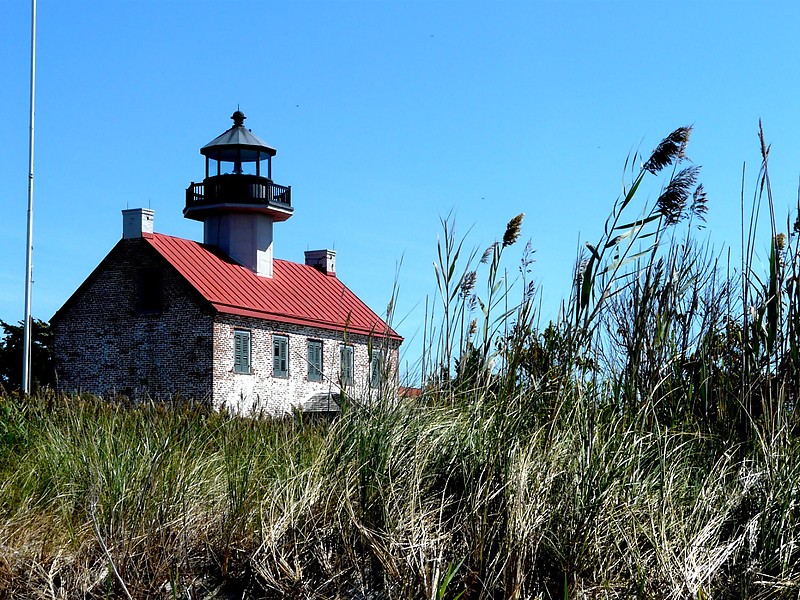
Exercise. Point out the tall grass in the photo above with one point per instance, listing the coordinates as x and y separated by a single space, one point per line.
105 499
643 444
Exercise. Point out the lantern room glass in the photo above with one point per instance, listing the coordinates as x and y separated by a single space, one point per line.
243 167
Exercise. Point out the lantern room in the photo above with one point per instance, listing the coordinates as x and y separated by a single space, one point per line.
238 177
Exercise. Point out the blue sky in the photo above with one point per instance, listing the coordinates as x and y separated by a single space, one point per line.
387 116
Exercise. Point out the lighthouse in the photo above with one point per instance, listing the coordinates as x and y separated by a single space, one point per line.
238 202
222 322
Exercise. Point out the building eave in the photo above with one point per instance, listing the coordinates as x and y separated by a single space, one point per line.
312 323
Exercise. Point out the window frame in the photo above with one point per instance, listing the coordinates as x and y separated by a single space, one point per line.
314 360
376 368
149 291
242 356
347 364
280 342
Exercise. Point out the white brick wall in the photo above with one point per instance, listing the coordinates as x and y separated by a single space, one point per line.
260 390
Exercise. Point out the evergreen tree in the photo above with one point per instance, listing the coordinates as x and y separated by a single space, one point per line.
42 364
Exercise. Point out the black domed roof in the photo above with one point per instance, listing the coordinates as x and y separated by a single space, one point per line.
237 143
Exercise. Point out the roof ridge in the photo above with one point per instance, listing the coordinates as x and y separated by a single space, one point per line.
204 245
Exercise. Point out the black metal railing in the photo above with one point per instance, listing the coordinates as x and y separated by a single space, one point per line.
238 189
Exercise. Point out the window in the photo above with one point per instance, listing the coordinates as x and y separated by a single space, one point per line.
314 360
346 357
241 351
280 356
376 367
148 290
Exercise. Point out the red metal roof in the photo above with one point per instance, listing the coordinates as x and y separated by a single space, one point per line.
296 294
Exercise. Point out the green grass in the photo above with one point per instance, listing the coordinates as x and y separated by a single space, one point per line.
642 445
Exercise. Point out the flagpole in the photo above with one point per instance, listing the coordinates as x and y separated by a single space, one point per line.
26 353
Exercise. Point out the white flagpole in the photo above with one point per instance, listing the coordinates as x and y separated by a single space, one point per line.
26 353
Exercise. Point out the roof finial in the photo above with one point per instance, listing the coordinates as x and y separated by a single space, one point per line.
238 117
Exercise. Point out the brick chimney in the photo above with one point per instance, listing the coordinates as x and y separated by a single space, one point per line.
137 222
322 260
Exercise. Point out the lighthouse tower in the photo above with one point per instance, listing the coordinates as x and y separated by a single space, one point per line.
237 201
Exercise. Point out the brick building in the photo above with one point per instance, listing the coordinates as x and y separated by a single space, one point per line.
223 322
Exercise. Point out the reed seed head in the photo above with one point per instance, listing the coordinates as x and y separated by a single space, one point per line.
488 253
473 302
513 230
780 242
530 291
699 206
764 147
672 202
468 284
671 149
473 327
527 257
